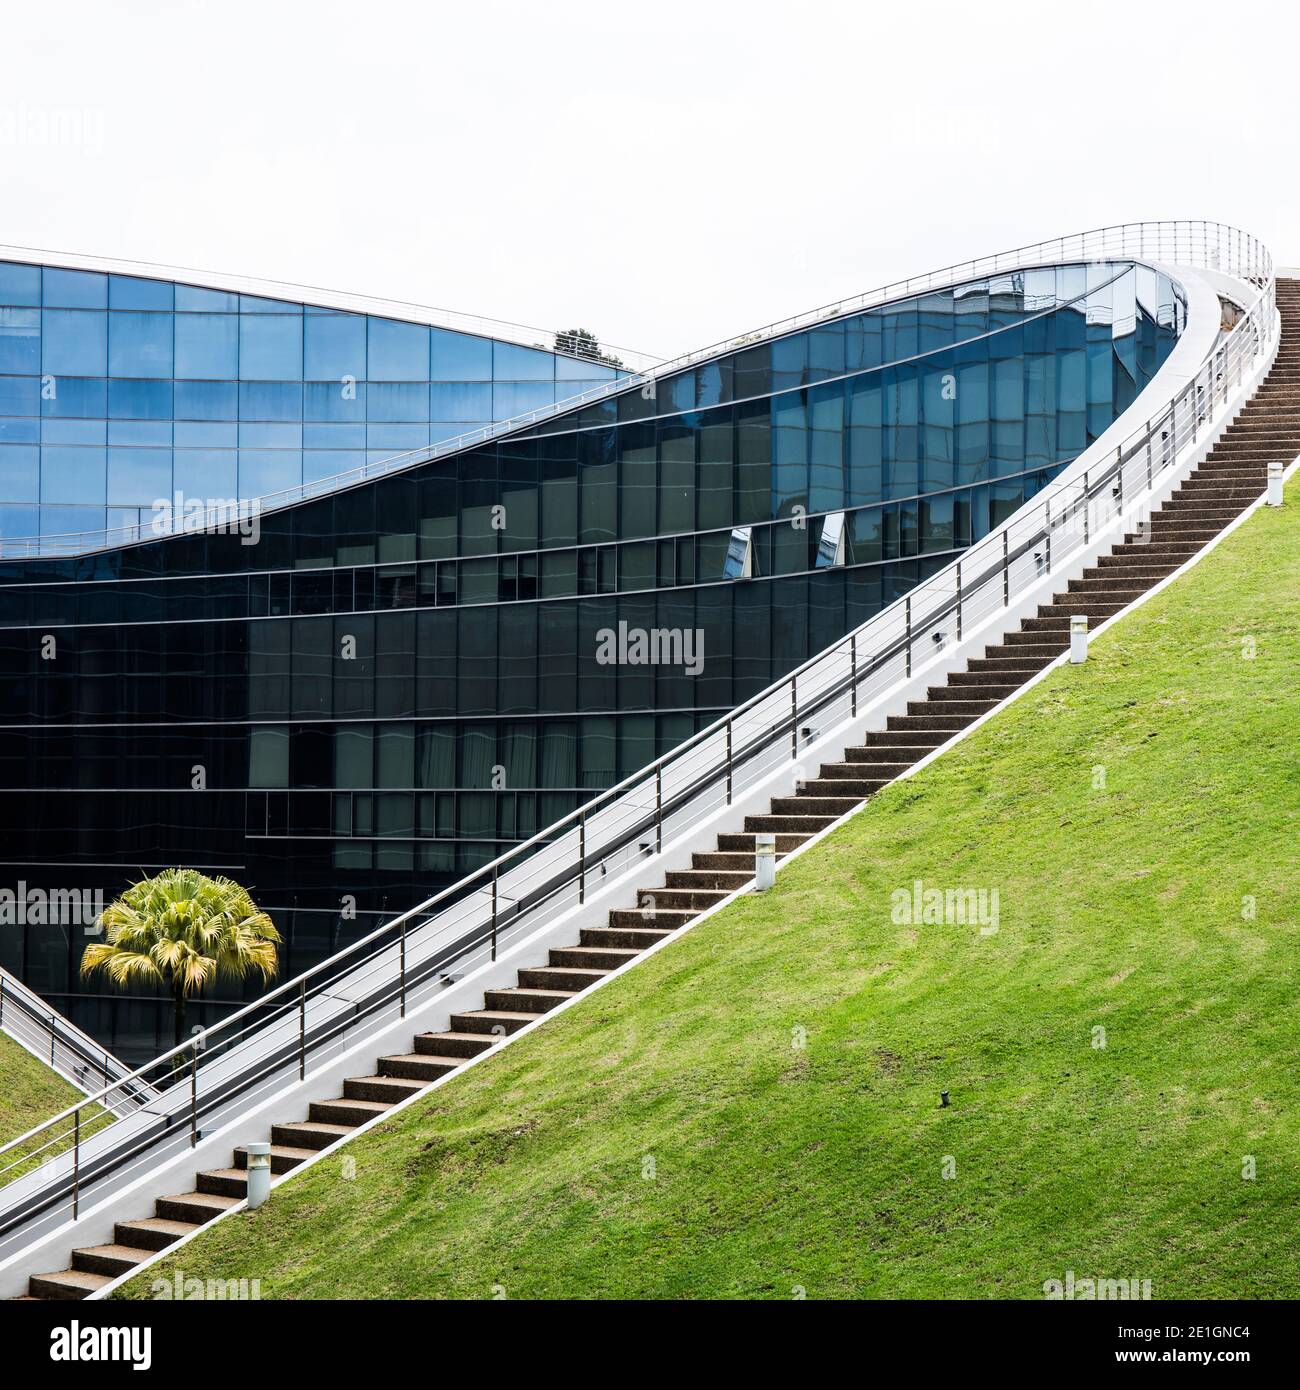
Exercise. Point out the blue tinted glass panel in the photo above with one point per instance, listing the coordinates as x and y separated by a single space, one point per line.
72 475
128 292
57 521
270 347
398 401
278 400
511 398
329 463
151 432
20 284
580 369
268 470
460 400
206 472
139 476
511 363
207 346
20 340
191 299
322 436
251 304
207 400
334 347
331 400
74 342
74 431
20 396
461 357
75 289
139 344
75 396
20 471
398 351
140 400
19 521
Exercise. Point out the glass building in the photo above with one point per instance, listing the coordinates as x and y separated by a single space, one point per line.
406 676
118 391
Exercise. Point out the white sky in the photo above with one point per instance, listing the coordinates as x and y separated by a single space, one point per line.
665 174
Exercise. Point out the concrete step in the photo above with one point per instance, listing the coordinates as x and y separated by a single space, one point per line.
834 773
660 918
421 1068
742 842
858 788
927 723
977 679
727 880
493 1023
346 1111
284 1157
534 1001
559 977
602 958
631 938
223 1182
1039 644
112 1260
910 737
954 705
804 804
304 1134
775 824
198 1207
456 1042
382 1090
685 899
151 1232
887 755
66 1284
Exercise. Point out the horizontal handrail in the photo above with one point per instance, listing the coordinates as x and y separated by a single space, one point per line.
315 297
388 965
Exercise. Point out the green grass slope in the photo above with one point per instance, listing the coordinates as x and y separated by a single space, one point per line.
669 1137
29 1092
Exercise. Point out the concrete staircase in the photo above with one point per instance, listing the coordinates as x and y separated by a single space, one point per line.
1233 476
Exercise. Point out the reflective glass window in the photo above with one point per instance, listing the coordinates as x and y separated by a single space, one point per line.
139 344
398 351
207 346
270 347
74 342
74 289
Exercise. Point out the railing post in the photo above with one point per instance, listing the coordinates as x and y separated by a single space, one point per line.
2 999
729 769
853 678
794 719
76 1161
194 1095
302 1031
959 600
582 861
659 809
51 1039
495 900
1119 482
907 655
401 972
1006 571
1047 527
1087 508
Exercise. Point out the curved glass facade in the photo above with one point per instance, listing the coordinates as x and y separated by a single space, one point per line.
118 392
398 680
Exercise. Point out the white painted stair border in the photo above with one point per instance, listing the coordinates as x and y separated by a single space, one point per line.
41 1258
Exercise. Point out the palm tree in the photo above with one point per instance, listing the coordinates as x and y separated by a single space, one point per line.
179 931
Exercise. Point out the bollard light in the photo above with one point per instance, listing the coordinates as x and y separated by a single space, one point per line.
1275 485
259 1174
1078 638
764 861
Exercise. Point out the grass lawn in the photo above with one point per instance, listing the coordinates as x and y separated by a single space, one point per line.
670 1137
29 1092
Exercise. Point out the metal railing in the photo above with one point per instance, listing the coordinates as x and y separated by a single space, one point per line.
61 1045
317 297
1216 245
301 1025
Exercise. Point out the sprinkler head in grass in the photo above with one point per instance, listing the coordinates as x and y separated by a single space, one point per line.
943 1100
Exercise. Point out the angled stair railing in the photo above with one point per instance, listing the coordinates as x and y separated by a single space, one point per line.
64 1048
306 1022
